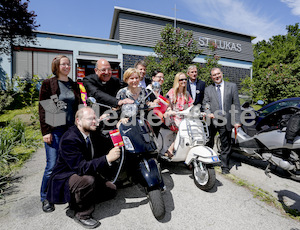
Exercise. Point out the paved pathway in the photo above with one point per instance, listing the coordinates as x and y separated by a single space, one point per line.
227 206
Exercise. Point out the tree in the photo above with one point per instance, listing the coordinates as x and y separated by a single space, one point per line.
175 51
276 67
16 25
211 60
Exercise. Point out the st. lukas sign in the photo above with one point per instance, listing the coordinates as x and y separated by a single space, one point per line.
221 44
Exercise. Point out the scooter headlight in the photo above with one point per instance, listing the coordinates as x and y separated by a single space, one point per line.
195 111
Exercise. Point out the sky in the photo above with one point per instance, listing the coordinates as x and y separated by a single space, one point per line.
260 18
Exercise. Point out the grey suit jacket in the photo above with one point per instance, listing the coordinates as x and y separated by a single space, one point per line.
230 97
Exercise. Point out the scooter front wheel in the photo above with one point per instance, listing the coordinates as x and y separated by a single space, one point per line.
157 204
204 177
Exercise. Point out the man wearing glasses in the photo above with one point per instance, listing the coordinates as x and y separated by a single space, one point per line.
103 87
222 106
79 174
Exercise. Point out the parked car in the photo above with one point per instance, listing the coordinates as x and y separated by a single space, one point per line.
269 108
271 114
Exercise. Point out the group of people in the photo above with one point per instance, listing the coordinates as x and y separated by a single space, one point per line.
79 154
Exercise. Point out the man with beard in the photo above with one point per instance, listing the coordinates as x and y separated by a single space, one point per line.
77 177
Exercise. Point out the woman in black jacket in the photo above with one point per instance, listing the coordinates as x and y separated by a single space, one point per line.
60 96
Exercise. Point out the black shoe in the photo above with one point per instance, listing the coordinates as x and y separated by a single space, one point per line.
47 206
70 213
225 171
88 223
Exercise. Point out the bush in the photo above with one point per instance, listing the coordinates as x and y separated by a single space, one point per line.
9 89
276 82
17 143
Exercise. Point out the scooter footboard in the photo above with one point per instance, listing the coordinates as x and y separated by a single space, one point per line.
151 175
202 153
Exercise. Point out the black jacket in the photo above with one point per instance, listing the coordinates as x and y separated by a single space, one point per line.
73 158
103 93
49 88
200 87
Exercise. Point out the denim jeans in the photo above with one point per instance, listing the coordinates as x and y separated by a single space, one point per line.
51 156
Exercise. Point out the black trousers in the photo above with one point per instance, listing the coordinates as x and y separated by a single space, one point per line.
225 137
86 191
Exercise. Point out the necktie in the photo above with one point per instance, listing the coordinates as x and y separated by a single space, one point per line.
219 96
88 145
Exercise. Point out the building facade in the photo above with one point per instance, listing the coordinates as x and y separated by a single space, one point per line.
132 37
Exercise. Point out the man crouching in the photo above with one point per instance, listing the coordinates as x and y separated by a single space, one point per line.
77 176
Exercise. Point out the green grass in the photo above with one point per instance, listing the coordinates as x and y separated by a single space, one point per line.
18 141
8 115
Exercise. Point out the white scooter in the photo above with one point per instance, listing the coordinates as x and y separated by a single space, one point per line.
190 147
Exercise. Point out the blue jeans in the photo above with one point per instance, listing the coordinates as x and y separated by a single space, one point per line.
51 156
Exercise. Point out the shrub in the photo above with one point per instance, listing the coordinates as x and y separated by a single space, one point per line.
17 143
9 89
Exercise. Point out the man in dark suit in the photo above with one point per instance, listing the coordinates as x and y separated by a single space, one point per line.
221 103
103 87
77 177
194 86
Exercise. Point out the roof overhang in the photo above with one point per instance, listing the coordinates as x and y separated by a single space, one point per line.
117 11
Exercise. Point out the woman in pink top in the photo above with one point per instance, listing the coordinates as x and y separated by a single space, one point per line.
180 99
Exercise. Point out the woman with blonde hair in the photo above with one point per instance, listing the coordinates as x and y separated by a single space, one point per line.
133 91
180 99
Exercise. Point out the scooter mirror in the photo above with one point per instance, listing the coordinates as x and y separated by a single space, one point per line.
155 86
92 100
260 102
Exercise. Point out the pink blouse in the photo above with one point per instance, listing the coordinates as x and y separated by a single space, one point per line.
180 105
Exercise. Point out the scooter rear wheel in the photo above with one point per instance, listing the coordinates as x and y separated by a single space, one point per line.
204 179
157 204
295 176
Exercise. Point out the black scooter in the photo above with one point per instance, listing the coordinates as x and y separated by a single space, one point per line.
138 162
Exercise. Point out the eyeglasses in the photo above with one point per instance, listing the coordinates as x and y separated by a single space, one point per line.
183 79
65 64
90 118
104 70
216 74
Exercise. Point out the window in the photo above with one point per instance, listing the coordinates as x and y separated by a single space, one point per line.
34 61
